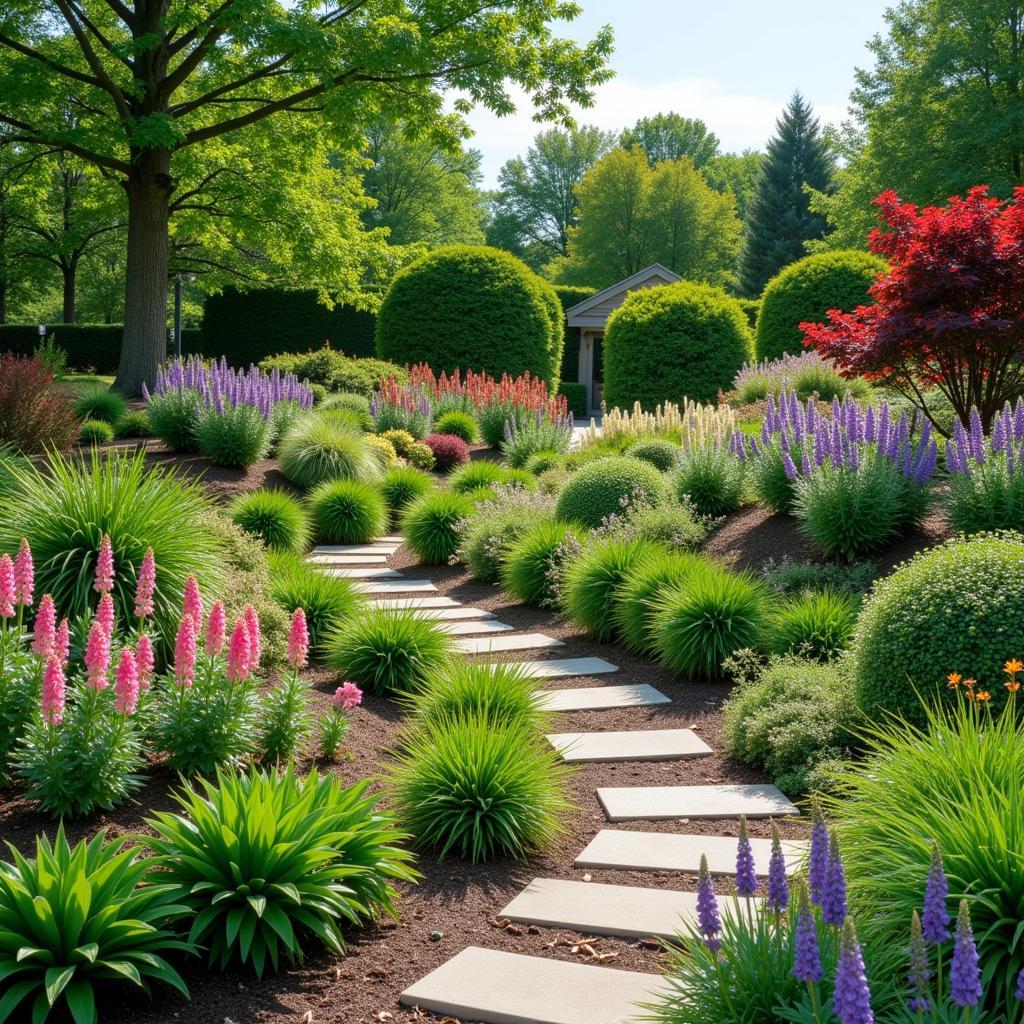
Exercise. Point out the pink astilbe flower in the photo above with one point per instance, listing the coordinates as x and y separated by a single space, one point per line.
126 683
215 629
145 586
45 632
24 575
298 640
104 582
105 614
53 691
252 625
62 642
346 696
145 662
192 605
6 587
185 653
97 656
238 652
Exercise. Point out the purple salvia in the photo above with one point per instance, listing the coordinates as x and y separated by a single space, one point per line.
935 916
918 974
817 865
977 437
707 909
837 409
1018 421
788 466
806 954
805 464
854 460
1018 992
833 894
869 424
746 876
999 433
964 970
851 999
778 886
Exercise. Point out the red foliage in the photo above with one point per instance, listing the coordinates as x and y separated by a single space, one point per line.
950 312
32 418
449 450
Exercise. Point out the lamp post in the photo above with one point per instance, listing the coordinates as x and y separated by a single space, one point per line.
178 279
42 333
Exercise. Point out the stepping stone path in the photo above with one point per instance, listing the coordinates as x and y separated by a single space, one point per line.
496 987
642 745
666 851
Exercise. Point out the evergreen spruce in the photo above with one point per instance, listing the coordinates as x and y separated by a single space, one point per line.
779 221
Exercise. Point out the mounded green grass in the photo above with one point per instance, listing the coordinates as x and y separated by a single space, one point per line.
279 519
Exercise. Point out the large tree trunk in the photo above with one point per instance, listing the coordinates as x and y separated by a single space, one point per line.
144 345
68 315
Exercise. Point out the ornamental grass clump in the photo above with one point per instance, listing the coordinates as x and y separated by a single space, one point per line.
431 525
527 436
101 403
401 486
313 451
278 518
531 562
347 512
504 693
709 479
461 424
92 432
270 864
816 625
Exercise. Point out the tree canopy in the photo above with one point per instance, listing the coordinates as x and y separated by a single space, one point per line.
671 137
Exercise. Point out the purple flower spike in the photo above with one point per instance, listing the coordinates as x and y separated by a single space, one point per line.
1018 992
788 465
746 876
977 437
817 867
806 955
778 887
833 896
919 974
707 909
935 917
852 999
964 971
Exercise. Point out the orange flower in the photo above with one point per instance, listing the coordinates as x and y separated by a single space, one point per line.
1012 667
1013 686
953 679
982 696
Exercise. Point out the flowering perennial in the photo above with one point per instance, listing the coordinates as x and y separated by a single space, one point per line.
691 424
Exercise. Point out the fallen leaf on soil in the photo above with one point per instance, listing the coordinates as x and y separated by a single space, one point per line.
384 1015
308 1017
376 972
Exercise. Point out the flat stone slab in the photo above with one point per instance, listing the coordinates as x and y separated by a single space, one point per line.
451 614
597 909
637 745
394 538
498 644
558 668
416 602
495 987
664 851
468 627
662 803
396 587
328 551
601 698
362 574
367 559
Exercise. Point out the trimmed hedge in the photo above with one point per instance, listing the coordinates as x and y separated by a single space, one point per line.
249 326
751 307
87 345
576 395
806 290
568 296
472 307
671 342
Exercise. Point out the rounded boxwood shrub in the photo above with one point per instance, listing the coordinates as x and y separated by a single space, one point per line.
659 453
461 424
806 290
401 486
955 608
347 512
527 566
95 432
602 488
314 451
449 451
430 525
672 342
101 404
277 518
472 307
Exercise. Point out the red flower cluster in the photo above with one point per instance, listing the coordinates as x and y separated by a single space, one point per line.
525 393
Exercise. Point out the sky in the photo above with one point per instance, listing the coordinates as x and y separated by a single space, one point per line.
732 63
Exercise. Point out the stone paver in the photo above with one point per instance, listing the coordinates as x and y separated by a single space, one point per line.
450 614
416 602
361 574
601 698
469 627
354 549
598 909
498 644
662 803
665 851
638 745
367 559
495 987
396 587
557 668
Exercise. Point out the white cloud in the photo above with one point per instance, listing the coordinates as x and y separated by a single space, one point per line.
740 122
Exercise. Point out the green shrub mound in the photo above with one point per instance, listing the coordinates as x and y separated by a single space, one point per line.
276 517
815 625
347 512
473 789
494 527
332 370
954 608
173 418
541 462
604 487
236 437
387 650
673 342
134 424
806 290
528 564
430 525
659 453
503 693
472 307
314 451
674 524
591 581
356 404
459 424
485 473
710 479
95 432
401 486
101 404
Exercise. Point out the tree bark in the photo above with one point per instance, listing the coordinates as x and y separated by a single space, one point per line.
144 345
68 314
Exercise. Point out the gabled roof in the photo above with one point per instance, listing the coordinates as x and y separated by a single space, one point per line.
592 312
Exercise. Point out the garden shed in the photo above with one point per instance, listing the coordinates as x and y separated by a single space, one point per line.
591 317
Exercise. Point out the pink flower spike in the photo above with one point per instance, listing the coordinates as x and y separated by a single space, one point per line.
144 661
105 614
53 692
126 683
346 696
298 640
45 631
192 605
145 586
6 587
215 629
252 625
62 642
104 582
238 652
97 656
185 653
24 575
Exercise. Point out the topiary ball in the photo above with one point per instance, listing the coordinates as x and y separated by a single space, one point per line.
806 290
672 342
460 424
605 487
955 608
430 525
660 454
347 512
277 518
449 450
472 307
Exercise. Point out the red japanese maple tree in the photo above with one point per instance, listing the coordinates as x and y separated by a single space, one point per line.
949 313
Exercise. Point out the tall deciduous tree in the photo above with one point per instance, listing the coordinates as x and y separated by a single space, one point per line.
736 173
152 80
671 137
780 220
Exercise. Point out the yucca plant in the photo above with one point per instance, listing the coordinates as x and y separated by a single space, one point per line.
470 787
504 693
403 485
276 517
313 450
268 863
387 650
74 917
347 512
430 525
528 565
817 625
